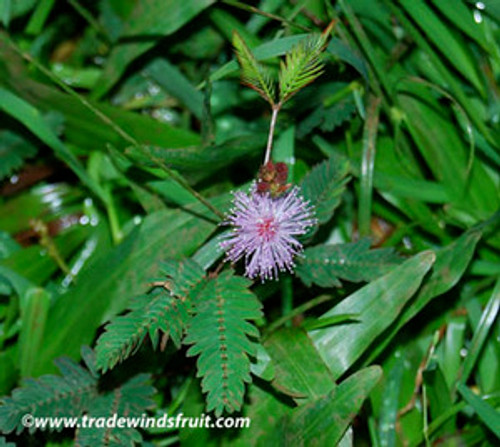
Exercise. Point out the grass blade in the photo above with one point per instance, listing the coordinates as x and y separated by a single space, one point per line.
378 305
486 412
367 166
481 333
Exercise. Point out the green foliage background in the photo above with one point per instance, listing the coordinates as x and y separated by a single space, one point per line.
123 129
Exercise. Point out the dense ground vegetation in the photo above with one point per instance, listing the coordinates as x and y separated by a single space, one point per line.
124 131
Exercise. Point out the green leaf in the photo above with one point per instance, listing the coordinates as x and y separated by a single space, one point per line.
78 78
438 394
173 81
450 265
34 309
184 279
390 404
253 74
340 49
8 245
261 365
487 365
148 315
492 8
325 184
13 151
324 265
5 11
378 305
486 412
18 282
219 333
8 369
50 396
164 310
39 16
449 351
370 132
327 118
268 50
131 399
154 19
325 420
15 8
302 66
299 370
485 325
207 255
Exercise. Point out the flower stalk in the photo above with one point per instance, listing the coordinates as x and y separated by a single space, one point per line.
274 118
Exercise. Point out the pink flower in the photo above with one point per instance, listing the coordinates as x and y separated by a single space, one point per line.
265 229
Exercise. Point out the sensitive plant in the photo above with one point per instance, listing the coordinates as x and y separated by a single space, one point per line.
330 259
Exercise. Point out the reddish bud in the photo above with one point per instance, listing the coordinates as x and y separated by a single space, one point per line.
277 190
272 178
262 187
267 172
281 172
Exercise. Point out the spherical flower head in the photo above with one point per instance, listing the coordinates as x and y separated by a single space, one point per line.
265 231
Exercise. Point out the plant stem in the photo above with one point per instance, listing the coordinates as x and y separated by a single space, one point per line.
255 10
90 19
274 117
114 223
184 183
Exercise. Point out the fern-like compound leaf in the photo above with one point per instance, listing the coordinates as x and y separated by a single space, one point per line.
184 279
130 400
67 395
327 118
148 315
324 185
253 73
162 311
324 265
13 151
222 335
302 66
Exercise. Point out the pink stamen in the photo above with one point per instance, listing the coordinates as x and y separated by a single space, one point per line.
266 228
